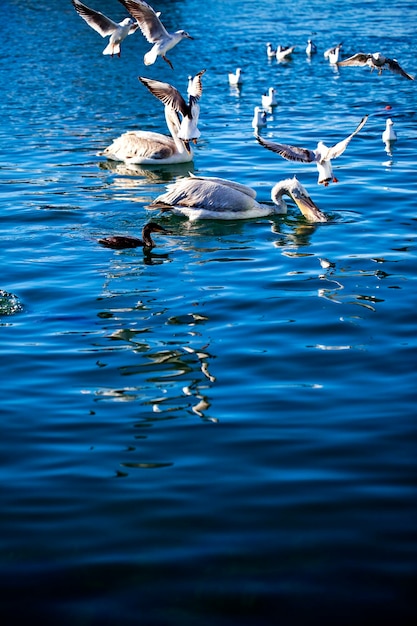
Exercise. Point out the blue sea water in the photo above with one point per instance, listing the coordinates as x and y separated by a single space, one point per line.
224 430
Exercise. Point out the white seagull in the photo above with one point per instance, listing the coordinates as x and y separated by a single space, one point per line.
332 54
154 31
199 197
105 27
269 99
311 48
270 52
284 53
389 133
150 148
235 78
377 61
259 118
321 156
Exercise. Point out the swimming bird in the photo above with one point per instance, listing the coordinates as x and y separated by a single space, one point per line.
321 156
270 52
389 133
150 148
311 48
154 31
105 27
284 53
332 54
199 197
376 60
235 79
259 118
269 99
120 242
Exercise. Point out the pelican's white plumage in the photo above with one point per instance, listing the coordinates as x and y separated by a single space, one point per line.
321 156
235 78
376 60
199 197
149 148
106 27
333 54
311 48
284 53
154 31
269 99
259 118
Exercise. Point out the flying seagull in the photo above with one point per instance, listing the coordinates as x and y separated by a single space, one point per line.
376 60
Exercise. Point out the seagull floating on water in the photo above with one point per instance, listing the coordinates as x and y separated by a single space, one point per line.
389 133
376 60
284 53
311 48
235 79
259 118
120 242
269 99
150 148
270 52
199 197
332 54
154 31
321 156
105 27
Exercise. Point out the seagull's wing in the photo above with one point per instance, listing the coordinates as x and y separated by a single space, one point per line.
358 59
165 92
340 147
291 153
394 66
103 25
148 20
195 86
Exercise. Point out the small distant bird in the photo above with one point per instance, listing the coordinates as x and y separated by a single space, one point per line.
321 156
269 99
259 118
235 79
332 54
311 48
270 52
120 242
377 61
389 133
284 53
154 31
105 27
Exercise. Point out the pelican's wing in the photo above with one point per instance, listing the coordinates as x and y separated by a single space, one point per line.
166 93
103 25
148 20
340 147
248 191
291 153
359 59
394 66
195 86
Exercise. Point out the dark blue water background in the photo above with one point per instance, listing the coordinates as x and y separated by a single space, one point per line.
223 432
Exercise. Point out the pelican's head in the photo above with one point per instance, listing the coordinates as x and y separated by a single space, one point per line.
293 188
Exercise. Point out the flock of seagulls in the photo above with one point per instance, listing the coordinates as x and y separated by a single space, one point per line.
199 197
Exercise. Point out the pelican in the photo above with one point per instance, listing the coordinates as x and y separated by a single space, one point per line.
259 118
321 156
311 48
105 27
199 197
154 31
270 52
150 148
389 133
332 54
377 61
283 53
119 242
269 99
235 79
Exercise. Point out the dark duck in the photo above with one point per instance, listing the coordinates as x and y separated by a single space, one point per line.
120 242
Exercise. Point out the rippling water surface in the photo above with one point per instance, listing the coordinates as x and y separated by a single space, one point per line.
223 430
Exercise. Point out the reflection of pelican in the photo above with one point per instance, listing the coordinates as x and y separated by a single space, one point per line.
235 79
146 147
200 197
132 175
377 61
321 156
332 54
120 242
154 31
105 27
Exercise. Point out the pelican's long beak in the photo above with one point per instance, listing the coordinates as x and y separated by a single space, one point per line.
309 209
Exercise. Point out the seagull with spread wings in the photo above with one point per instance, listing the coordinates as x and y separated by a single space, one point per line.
376 61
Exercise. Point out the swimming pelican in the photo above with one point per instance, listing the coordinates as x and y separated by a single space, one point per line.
332 54
154 31
284 53
119 242
269 99
105 27
321 156
150 148
377 61
311 48
259 118
235 79
199 197
389 133
270 52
